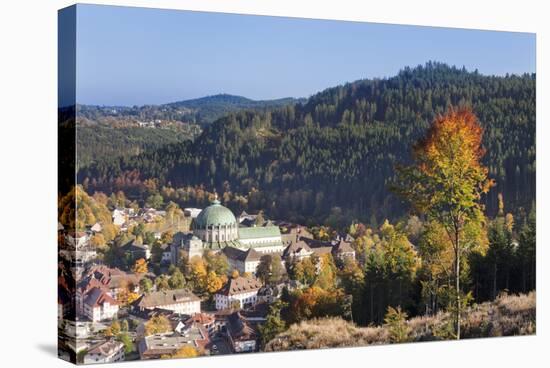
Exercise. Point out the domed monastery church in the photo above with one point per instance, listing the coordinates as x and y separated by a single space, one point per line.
216 228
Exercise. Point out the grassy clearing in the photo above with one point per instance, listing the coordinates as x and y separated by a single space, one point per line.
508 315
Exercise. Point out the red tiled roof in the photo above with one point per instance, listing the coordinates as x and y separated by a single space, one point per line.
104 277
240 285
296 248
239 328
97 297
168 297
106 348
201 318
343 247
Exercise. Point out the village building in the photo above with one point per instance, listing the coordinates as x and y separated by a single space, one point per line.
109 280
77 329
339 249
297 251
270 293
136 251
119 216
320 251
244 217
185 246
242 260
77 239
179 301
99 306
158 345
192 212
105 352
240 291
241 333
150 215
206 321
343 250
291 232
78 257
264 239
179 323
216 227
96 228
166 257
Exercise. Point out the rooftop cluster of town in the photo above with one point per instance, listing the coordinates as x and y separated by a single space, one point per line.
112 312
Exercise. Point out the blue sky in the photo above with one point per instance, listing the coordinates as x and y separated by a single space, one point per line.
135 56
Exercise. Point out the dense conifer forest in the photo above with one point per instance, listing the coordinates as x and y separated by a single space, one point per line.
332 158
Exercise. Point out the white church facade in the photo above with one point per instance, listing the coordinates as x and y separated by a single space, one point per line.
216 228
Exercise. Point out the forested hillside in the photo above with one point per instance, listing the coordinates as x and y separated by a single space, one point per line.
99 143
202 111
332 158
209 109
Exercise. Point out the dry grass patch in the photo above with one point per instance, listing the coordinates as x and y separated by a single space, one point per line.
508 315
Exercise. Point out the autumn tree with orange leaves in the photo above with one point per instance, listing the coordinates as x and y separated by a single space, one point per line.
446 181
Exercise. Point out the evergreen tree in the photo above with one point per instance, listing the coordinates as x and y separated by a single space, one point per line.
274 324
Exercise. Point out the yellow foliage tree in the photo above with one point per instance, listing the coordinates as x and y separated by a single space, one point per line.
98 241
109 231
198 273
140 266
157 325
112 330
213 282
77 209
316 302
132 297
326 279
186 351
166 237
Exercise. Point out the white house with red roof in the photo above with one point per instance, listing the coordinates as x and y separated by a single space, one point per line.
243 290
105 352
99 306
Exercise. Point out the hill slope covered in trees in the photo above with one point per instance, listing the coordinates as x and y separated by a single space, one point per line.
202 111
331 158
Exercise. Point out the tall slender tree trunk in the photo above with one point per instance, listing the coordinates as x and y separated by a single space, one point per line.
457 284
400 290
371 302
435 300
434 297
524 276
533 273
494 293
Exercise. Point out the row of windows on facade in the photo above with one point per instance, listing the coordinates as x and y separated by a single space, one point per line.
218 226
221 237
245 300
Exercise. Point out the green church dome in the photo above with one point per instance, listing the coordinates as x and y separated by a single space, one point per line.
214 215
